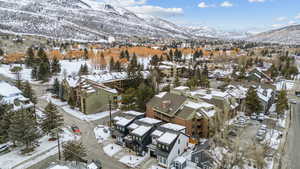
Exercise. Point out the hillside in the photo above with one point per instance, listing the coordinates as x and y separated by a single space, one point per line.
80 20
286 35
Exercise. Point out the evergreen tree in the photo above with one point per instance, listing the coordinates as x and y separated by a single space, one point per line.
127 56
52 119
56 86
177 82
122 55
154 60
23 130
118 66
143 94
111 64
43 72
282 102
29 60
85 54
55 66
17 71
72 101
171 55
253 104
29 93
1 52
192 83
273 71
5 110
128 98
74 151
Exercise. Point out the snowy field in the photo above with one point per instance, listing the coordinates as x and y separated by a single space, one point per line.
112 149
102 133
47 148
70 67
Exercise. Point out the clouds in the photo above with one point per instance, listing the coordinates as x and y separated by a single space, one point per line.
226 4
252 1
281 18
202 5
297 16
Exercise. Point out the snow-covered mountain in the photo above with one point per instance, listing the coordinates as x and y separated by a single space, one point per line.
81 20
286 35
217 33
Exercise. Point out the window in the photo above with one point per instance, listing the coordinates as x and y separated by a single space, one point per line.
178 141
178 151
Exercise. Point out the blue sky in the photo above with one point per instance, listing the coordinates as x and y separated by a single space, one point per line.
254 15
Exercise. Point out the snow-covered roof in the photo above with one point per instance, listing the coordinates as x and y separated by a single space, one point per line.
181 88
123 121
198 105
284 85
167 138
92 166
149 120
264 94
72 81
161 94
59 167
141 130
174 127
135 113
133 126
180 159
208 93
157 133
7 90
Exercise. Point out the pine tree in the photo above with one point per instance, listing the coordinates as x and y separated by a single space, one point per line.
56 86
29 93
253 104
85 54
127 56
1 52
74 151
5 110
171 55
23 129
29 60
17 71
122 54
177 82
52 119
143 94
55 66
118 66
43 72
282 102
128 98
111 64
72 101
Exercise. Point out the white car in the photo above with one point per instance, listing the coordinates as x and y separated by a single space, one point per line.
253 117
261 117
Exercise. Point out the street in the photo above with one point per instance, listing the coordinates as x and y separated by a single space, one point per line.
294 139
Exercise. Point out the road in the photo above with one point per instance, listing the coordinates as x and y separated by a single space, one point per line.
93 148
293 141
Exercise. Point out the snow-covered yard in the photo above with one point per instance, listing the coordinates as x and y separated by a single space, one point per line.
46 149
91 117
156 167
112 149
102 133
132 160
272 138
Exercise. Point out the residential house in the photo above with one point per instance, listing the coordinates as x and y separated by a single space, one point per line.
139 134
201 155
11 95
121 123
170 69
266 97
239 93
168 142
258 75
179 109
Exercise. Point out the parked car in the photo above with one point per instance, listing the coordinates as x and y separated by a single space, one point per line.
293 101
4 147
263 126
253 116
76 129
261 117
260 137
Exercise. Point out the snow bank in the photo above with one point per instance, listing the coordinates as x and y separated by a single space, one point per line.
102 133
91 117
132 160
112 149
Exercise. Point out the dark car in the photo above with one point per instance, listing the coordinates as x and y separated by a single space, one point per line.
76 129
